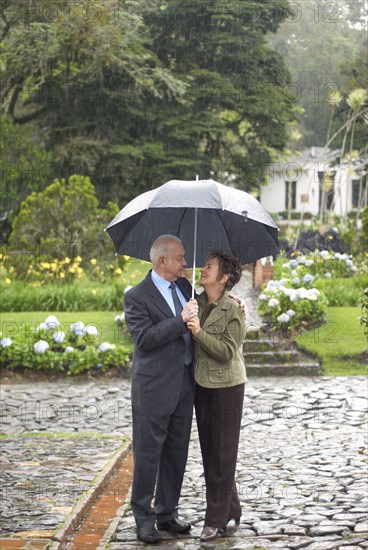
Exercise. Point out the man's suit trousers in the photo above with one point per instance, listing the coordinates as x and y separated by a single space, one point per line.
160 448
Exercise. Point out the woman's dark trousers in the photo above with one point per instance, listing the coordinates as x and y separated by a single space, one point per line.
219 413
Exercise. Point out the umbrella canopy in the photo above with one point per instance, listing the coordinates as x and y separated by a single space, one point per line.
222 217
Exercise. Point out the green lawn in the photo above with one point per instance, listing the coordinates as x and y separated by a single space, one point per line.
12 323
340 342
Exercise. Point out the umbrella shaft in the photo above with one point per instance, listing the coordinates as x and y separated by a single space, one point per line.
194 248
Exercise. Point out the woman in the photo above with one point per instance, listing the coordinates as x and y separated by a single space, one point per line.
218 333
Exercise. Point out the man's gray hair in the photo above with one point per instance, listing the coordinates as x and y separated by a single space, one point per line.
160 247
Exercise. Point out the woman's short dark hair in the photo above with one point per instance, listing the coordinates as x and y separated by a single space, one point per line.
228 265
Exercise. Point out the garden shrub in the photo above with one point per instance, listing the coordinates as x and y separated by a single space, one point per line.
305 284
59 224
48 348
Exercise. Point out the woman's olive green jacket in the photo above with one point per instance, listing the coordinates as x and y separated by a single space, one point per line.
219 356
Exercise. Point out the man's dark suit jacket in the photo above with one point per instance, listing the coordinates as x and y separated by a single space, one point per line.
159 351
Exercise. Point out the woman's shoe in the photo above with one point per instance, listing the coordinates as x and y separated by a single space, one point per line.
210 533
236 521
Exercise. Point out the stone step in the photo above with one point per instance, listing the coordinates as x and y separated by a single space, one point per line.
254 333
259 345
302 368
271 357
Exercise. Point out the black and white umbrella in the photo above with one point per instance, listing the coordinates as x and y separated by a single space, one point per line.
205 215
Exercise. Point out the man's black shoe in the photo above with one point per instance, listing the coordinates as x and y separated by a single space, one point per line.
174 525
150 535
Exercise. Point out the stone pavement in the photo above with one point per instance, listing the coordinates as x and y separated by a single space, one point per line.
302 467
56 437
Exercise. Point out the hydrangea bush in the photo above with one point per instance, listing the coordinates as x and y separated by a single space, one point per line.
49 348
292 303
297 299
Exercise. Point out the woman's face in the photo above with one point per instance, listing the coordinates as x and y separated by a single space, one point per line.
210 274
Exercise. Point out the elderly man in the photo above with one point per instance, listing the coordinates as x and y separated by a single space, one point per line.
156 311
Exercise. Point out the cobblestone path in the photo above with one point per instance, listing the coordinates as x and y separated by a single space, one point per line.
302 468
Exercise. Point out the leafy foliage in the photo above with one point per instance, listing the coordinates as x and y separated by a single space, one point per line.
25 167
81 72
63 221
356 238
343 292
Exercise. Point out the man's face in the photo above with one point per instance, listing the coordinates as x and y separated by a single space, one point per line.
174 263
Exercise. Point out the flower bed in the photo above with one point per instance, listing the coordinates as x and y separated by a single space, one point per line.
63 285
49 348
287 303
297 299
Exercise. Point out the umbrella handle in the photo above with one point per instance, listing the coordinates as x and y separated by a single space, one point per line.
195 249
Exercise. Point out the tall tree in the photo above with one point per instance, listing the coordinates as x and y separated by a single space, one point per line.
315 40
239 101
81 72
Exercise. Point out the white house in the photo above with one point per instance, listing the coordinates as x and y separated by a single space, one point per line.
312 179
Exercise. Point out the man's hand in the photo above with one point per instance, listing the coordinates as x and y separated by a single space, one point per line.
194 326
190 310
242 304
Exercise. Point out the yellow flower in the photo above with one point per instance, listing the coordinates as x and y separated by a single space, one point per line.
1 256
78 259
45 265
66 260
72 269
94 292
93 261
79 270
53 266
8 281
126 257
118 271
62 275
